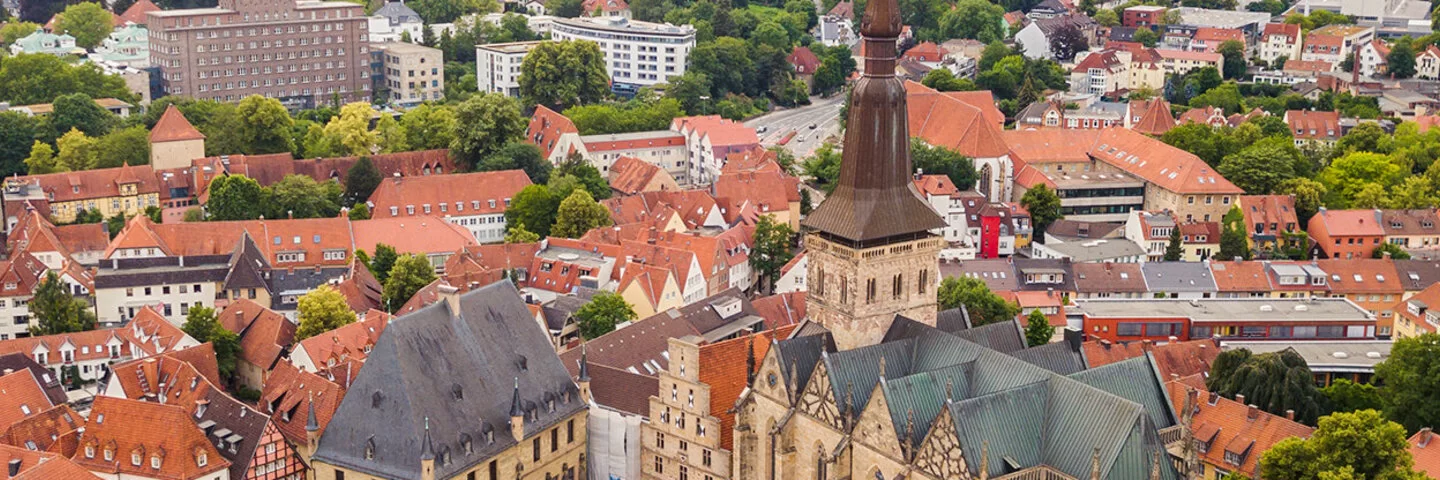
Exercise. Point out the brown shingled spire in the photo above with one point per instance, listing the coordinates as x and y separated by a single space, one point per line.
874 199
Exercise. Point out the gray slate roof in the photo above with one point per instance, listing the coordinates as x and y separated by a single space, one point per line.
1175 277
1061 357
397 13
416 369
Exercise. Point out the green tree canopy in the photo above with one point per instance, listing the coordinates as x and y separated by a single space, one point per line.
410 274
535 208
943 161
1411 381
300 196
79 111
1038 330
1274 382
579 213
1174 251
1233 54
55 311
1356 445
1401 60
1234 237
560 74
984 306
361 180
1345 396
486 123
235 197
88 22
202 325
771 250
265 126
975 19
28 79
429 126
1044 206
518 155
601 315
517 233
321 310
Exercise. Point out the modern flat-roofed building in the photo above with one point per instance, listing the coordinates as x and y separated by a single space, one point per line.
1251 319
300 51
497 67
637 54
410 73
1329 360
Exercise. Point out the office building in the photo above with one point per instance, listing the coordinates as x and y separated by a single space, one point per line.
497 66
409 73
637 54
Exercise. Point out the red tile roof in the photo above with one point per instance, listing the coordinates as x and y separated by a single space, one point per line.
425 235
592 6
424 297
546 128
350 341
21 397
606 143
650 278
1213 37
1305 124
1430 298
763 192
136 14
1287 29
173 127
721 132
1426 452
148 334
1242 277
93 184
1172 360
804 60
844 9
926 52
155 432
936 185
287 397
1269 209
312 236
1231 428
265 334
1206 115
485 264
1350 222
1155 117
35 465
725 368
1200 232
781 309
360 288
757 159
1158 163
1363 275
480 193
630 175
55 430
1308 66
954 122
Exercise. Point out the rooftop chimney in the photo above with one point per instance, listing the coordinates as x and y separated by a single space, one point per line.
1425 436
1240 398
1290 415
451 295
1252 412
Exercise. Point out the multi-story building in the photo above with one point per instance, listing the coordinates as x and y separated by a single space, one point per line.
662 148
1413 230
475 201
1371 283
1180 62
394 21
93 351
45 42
1143 16
173 447
128 46
174 142
1427 63
1280 40
1271 221
303 52
1239 318
497 67
22 273
1373 58
1151 230
124 191
461 420
710 140
170 285
1101 72
1314 128
637 54
1351 37
1346 234
410 73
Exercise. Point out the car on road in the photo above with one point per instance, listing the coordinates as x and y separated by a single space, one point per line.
762 129
812 126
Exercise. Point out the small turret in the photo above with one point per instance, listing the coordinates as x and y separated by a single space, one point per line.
583 380
427 455
517 414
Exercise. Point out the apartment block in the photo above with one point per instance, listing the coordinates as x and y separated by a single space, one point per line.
637 54
410 73
497 66
300 51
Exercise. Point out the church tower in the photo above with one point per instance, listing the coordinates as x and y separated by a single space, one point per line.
871 254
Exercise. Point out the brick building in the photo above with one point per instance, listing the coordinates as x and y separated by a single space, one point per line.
300 51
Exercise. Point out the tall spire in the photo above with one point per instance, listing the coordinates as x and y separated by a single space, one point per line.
311 424
874 198
427 448
584 366
515 409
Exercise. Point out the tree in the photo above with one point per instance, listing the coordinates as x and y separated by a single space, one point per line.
321 310
1038 330
429 127
129 146
55 311
202 325
115 224
1174 251
1309 196
977 19
411 273
579 213
234 197
518 155
486 123
1068 40
1234 242
587 175
88 22
382 262
1346 176
984 306
534 207
155 214
772 34
518 234
265 126
1233 53
360 181
75 151
806 204
942 80
1346 396
1260 168
640 114
350 131
17 136
42 160
1274 382
1365 137
79 111
359 212
943 161
1146 37
1411 382
300 196
601 315
1044 207
1354 445
560 74
1393 251
1107 18
1401 60
823 167
727 62
564 8
1413 192
27 79
771 250
13 31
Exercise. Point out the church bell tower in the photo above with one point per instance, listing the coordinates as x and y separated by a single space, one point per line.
871 253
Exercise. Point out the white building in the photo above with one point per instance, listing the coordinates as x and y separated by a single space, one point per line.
963 241
168 285
391 22
91 352
1280 40
663 148
637 54
497 67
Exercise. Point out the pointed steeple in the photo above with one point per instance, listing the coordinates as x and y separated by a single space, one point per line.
515 408
874 198
584 366
172 127
311 424
427 447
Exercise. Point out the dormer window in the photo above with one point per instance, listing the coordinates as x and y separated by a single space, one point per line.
135 459
155 461
89 451
109 455
201 460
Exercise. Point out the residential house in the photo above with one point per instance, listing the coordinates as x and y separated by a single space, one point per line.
1347 234
125 190
1048 9
1271 221
433 238
1372 58
663 148
1109 280
422 429
547 128
300 404
126 46
746 196
1101 73
1426 460
710 139
1035 37
1413 316
1180 62
27 463
42 41
630 175
172 447
1201 240
20 275
1351 37
1280 40
1413 230
1206 115
1143 16
649 289
1087 111
1179 280
968 123
1230 435
479 265
805 63
265 339
92 351
1250 319
352 342
1427 64
1117 250
563 266
1313 127
605 8
1151 230
1209 39
1241 279
394 21
1373 284
475 201
170 286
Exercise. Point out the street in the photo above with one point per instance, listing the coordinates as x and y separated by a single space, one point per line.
824 113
